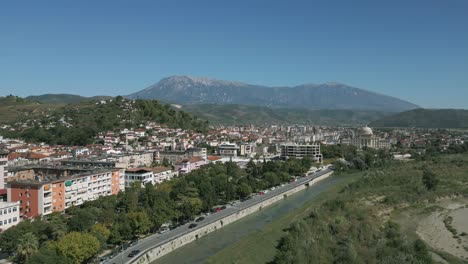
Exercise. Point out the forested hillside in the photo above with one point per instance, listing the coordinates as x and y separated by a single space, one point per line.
425 118
244 114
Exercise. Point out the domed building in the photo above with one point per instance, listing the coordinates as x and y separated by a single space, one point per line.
366 138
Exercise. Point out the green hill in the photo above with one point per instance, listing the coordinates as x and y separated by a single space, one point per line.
14 108
243 114
78 124
63 98
425 118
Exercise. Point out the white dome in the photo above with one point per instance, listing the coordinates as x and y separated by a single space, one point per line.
366 131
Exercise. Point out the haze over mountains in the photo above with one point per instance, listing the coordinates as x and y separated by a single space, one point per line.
195 90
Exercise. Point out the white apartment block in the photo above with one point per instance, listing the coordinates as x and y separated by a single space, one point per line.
9 215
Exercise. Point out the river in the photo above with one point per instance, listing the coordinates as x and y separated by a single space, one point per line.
201 249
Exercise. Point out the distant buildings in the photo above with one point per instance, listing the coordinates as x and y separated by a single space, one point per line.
365 138
300 151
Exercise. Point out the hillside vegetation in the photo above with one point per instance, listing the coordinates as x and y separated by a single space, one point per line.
355 226
78 124
63 98
425 118
14 108
243 114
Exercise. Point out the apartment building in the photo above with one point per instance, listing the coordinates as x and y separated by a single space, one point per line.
187 165
227 149
9 215
144 175
3 163
45 194
301 151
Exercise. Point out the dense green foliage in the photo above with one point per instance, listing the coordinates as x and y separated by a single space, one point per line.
78 235
425 118
78 124
244 114
350 228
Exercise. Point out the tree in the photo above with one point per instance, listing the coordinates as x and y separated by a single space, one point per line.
139 222
101 232
429 180
47 255
79 247
244 190
28 244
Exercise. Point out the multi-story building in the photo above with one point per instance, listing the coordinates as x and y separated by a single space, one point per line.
148 175
46 193
301 151
173 156
3 163
227 149
132 160
187 165
9 215
247 149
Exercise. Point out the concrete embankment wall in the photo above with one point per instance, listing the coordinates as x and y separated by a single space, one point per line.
163 249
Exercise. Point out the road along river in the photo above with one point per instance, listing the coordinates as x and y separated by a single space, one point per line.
201 249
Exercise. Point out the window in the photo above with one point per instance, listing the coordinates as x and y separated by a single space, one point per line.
15 219
15 209
1 223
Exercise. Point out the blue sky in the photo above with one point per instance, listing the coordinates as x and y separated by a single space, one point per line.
415 50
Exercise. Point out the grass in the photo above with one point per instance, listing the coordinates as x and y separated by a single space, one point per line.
260 247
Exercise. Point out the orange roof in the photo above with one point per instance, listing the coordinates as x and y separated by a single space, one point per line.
213 158
33 155
14 155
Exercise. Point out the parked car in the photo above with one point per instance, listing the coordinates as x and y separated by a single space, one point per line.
192 225
163 230
133 253
201 218
223 207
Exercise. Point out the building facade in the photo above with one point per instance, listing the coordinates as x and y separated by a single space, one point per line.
3 164
187 165
227 149
155 175
44 195
300 151
365 138
9 215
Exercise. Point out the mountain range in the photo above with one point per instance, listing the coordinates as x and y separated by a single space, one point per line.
188 90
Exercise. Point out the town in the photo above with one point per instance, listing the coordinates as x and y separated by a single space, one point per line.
39 179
